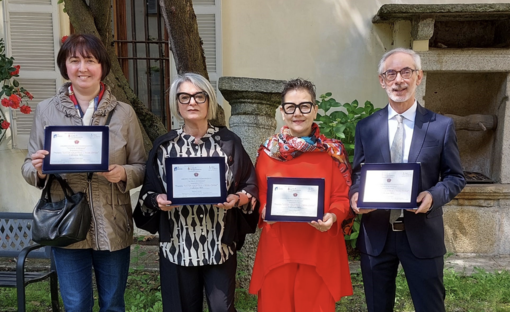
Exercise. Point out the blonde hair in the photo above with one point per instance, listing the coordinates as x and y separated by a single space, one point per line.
200 82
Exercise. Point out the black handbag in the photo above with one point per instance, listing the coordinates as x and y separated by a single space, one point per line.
64 222
149 223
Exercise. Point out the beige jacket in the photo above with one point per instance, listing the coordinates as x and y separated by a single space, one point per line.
112 223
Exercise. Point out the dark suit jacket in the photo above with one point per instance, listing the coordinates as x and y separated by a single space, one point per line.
434 145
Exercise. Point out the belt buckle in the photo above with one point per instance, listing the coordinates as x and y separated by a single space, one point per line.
393 226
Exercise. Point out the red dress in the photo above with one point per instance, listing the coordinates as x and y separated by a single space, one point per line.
294 242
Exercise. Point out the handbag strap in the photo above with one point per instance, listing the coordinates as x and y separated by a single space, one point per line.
68 191
46 190
109 118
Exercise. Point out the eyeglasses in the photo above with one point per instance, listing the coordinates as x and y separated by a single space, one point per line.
304 108
185 98
405 72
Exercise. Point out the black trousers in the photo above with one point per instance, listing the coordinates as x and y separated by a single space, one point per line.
424 277
182 288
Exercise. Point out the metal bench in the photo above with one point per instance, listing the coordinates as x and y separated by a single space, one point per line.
16 241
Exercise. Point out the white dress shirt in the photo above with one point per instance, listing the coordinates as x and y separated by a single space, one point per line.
408 121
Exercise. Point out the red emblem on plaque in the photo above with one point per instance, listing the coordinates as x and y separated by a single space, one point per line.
295 194
76 141
196 174
388 180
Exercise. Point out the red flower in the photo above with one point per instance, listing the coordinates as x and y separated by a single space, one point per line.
64 39
5 125
29 95
25 109
16 71
15 100
6 102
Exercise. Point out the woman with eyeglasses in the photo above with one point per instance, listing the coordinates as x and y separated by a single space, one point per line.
302 266
198 243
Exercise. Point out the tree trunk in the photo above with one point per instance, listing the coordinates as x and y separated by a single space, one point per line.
95 19
185 43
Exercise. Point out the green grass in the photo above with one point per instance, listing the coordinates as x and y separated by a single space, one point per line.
480 291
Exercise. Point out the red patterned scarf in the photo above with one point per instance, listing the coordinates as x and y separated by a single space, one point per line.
283 146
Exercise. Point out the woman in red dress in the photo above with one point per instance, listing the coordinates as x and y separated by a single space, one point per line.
302 266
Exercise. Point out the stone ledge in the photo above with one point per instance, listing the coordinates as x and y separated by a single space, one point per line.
390 13
466 60
243 84
485 191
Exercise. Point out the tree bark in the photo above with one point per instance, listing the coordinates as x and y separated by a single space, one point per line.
95 19
185 42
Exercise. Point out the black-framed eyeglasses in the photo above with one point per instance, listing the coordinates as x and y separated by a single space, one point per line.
185 98
405 72
304 107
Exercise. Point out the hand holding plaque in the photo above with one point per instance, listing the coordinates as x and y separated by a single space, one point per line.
389 186
195 180
294 199
76 149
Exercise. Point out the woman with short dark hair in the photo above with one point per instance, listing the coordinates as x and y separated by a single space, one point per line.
84 101
302 266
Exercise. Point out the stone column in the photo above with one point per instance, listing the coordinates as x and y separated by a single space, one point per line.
253 103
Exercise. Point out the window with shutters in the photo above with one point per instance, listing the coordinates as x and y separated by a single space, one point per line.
32 38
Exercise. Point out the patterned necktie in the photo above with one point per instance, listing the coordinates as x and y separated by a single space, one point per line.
397 153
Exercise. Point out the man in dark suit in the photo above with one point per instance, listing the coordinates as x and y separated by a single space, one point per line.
404 131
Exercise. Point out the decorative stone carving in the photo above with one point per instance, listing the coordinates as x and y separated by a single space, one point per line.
253 103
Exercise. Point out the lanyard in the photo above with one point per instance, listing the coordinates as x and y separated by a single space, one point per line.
97 99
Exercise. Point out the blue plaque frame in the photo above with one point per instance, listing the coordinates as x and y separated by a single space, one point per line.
49 133
412 204
169 161
271 181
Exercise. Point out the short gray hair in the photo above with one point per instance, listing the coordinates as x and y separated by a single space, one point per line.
415 56
200 82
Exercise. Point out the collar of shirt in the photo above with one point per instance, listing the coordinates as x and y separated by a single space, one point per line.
409 114
408 121
211 130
